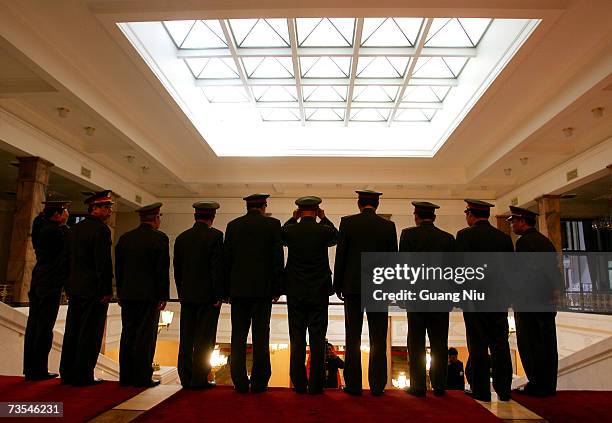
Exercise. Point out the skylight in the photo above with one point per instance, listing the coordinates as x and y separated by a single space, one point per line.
390 86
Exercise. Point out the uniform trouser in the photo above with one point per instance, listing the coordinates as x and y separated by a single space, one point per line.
254 313
139 320
377 327
311 315
197 341
489 331
39 331
85 323
536 336
436 326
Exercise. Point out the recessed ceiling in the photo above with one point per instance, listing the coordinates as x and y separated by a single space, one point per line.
303 87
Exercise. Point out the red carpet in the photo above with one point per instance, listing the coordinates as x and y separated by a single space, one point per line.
283 405
80 404
571 406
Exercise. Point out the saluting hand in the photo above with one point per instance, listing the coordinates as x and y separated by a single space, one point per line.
296 214
321 214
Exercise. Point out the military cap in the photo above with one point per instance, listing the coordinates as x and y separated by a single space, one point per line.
520 212
206 205
308 201
57 204
256 198
149 210
477 205
424 207
100 198
368 193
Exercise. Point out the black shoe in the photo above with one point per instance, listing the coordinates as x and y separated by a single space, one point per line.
300 390
478 397
377 393
149 384
504 397
258 390
92 382
44 376
66 381
241 390
439 392
420 393
354 392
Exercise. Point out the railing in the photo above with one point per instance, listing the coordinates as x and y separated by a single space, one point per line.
587 302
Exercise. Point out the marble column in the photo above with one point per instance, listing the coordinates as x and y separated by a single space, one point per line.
549 221
32 181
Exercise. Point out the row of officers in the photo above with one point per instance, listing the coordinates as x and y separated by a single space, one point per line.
246 268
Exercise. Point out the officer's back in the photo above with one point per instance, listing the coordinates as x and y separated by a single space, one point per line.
198 261
426 238
90 261
483 237
254 255
141 260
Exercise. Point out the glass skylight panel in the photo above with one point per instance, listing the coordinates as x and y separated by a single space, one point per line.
325 32
268 67
456 32
275 93
196 34
280 115
213 68
370 115
439 67
425 93
415 115
377 93
382 67
390 32
325 114
260 32
227 94
325 67
324 92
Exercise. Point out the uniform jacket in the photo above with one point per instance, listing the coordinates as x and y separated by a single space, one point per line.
363 232
50 273
482 237
427 238
198 264
91 266
307 273
253 257
142 264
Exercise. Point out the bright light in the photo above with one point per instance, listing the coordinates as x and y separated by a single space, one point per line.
511 324
402 382
427 361
365 348
166 317
217 359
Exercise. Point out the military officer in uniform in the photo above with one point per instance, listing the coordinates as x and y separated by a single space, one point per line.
536 332
254 266
142 262
89 289
426 237
308 286
486 330
49 234
454 376
198 273
362 232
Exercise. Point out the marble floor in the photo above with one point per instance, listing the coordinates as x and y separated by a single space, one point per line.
510 411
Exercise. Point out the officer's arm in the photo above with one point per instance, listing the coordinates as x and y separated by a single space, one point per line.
277 260
404 244
177 263
333 232
393 239
164 270
103 261
227 259
288 223
340 260
216 263
119 266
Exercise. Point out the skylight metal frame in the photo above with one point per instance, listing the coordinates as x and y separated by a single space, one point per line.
356 52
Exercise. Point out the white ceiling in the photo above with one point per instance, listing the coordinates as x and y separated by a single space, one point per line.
73 55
